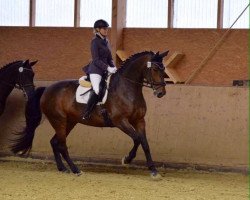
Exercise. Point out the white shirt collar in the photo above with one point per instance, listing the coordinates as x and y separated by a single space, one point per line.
100 35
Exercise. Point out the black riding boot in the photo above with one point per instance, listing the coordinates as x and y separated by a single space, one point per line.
93 99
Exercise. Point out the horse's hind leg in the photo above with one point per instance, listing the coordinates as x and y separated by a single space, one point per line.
63 128
64 149
57 155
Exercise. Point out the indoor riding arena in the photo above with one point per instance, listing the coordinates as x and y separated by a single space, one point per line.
195 146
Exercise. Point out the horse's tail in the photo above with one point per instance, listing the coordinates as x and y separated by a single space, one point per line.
33 115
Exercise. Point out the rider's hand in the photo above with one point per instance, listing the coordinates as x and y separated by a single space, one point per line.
112 70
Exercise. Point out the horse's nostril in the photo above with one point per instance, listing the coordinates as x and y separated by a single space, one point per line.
159 94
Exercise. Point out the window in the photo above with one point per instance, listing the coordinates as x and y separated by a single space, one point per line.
54 13
147 13
90 11
232 9
195 14
140 13
14 13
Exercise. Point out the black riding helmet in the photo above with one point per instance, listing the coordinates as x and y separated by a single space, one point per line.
101 24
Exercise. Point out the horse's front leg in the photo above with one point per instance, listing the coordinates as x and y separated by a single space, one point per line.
138 134
140 128
132 154
127 128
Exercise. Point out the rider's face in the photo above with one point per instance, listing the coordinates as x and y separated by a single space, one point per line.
104 31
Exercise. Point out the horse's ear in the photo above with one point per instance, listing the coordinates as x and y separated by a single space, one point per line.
26 62
164 54
33 63
156 56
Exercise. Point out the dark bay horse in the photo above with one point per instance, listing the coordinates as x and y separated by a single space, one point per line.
18 74
125 106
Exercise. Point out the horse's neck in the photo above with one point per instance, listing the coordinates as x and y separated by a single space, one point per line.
135 72
130 81
6 86
9 75
5 91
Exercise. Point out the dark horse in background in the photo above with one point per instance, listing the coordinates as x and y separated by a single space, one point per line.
125 106
18 74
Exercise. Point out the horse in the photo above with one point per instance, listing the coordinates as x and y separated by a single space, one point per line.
125 106
18 74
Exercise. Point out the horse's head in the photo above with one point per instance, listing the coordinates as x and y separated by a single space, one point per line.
155 74
145 69
25 78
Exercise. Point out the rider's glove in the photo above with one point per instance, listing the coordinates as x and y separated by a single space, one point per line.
112 70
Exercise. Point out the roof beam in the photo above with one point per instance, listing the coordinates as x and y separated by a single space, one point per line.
118 23
170 13
77 13
32 19
220 14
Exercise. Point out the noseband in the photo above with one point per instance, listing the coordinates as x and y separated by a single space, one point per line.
153 84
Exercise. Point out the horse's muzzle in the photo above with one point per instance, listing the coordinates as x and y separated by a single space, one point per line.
159 94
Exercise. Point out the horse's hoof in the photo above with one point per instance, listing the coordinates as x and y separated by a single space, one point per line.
76 171
79 173
124 161
156 176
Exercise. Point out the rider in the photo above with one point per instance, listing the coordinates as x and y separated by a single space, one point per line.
102 62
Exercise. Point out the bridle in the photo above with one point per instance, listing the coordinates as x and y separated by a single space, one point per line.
151 83
19 85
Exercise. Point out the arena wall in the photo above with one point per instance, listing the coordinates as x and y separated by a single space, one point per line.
194 125
228 63
63 51
204 123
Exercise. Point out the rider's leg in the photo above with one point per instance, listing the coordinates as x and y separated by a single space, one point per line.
93 99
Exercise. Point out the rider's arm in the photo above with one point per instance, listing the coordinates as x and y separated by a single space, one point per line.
96 57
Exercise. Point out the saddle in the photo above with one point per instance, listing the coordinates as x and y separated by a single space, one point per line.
82 92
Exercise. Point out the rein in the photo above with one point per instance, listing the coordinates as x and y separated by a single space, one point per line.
149 84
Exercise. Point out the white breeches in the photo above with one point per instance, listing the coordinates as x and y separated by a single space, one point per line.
95 80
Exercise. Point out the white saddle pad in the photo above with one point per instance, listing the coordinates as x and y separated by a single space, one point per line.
84 98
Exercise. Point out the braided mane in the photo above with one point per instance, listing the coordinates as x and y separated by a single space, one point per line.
10 64
127 63
134 57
